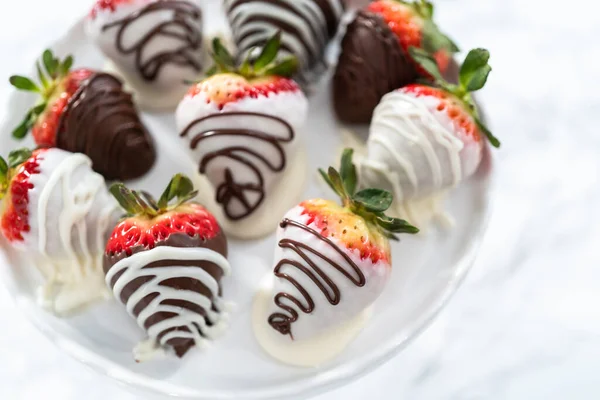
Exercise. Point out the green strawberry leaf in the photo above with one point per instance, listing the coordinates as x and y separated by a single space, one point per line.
336 181
493 140
18 157
427 62
24 83
212 71
479 79
286 67
179 187
434 40
348 172
3 168
222 56
327 180
50 63
425 9
395 225
125 198
145 207
475 70
21 131
149 199
41 76
269 52
374 200
66 65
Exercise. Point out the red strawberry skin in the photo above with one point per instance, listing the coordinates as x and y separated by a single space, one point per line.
227 88
407 26
15 211
352 231
106 5
455 109
191 219
44 129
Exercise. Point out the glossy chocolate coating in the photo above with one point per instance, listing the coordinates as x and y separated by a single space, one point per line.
102 122
217 244
372 64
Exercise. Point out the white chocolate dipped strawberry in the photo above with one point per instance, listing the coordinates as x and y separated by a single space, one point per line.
331 264
242 127
425 139
155 45
58 213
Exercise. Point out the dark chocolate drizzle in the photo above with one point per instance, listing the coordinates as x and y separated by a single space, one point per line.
371 64
282 321
218 244
230 189
185 55
319 34
101 121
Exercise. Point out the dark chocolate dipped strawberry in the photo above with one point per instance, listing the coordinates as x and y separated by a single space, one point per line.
165 262
84 111
375 57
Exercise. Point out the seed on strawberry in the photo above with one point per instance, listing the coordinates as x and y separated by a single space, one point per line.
333 255
165 262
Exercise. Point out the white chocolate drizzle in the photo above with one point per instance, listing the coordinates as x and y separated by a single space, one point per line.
133 267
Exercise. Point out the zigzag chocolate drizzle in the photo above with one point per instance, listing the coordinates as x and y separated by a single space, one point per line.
231 189
282 321
179 28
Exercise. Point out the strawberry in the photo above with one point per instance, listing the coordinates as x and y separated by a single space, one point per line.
241 125
165 263
56 87
456 101
15 186
425 139
375 55
67 117
152 222
264 77
332 253
412 23
56 210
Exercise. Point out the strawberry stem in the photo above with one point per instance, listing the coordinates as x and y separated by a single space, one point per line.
265 64
141 203
370 204
50 76
473 76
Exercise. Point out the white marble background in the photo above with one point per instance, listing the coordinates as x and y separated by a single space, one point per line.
526 323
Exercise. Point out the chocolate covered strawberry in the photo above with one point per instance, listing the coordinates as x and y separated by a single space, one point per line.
426 139
84 111
332 261
375 56
307 26
57 212
165 262
154 45
241 125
